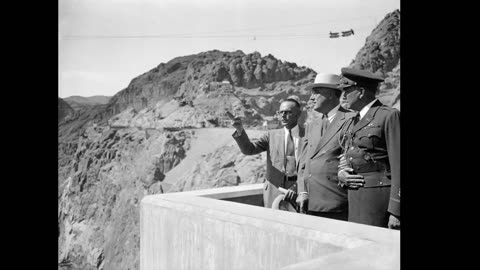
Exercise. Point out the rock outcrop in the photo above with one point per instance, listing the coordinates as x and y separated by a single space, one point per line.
70 129
78 102
224 165
188 77
381 55
64 110
98 206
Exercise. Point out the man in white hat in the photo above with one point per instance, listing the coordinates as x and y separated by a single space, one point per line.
319 192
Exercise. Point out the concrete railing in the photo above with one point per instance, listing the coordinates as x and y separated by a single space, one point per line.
226 228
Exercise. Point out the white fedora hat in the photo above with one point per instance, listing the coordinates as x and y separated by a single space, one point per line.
327 80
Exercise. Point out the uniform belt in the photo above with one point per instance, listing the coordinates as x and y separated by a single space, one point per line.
290 178
371 166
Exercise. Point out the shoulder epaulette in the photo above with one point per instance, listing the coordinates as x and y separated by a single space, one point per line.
388 108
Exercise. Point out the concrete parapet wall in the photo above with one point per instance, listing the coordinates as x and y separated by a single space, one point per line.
204 229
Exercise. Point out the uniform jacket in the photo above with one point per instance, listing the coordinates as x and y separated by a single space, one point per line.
373 150
273 142
319 165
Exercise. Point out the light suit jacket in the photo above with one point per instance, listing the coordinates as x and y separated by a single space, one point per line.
274 143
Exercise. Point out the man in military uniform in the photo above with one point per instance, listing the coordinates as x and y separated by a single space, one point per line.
370 166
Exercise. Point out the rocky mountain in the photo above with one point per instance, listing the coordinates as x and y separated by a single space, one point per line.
167 132
194 75
70 129
381 55
78 102
98 203
64 109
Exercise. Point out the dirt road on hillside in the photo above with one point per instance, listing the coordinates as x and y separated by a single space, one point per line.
205 141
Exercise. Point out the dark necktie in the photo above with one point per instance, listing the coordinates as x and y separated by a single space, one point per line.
324 124
356 118
290 155
290 151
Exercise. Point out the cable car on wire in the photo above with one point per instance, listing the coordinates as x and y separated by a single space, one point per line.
334 34
344 33
347 33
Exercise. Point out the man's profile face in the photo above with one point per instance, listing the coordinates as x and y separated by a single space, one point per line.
351 97
322 97
288 114
343 101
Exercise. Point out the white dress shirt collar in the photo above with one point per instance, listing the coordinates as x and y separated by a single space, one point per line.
365 109
331 114
294 130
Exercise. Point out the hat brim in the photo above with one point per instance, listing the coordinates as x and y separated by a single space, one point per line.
326 85
342 87
280 204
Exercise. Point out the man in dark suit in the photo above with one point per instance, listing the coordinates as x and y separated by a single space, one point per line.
371 164
282 150
319 192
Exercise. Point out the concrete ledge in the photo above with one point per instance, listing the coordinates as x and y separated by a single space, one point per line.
202 230
369 257
224 192
246 194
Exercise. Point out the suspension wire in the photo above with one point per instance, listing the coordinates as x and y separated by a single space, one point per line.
249 36
215 34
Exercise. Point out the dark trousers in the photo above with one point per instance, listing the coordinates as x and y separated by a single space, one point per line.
333 215
369 206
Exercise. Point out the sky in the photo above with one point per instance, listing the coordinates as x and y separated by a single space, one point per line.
104 44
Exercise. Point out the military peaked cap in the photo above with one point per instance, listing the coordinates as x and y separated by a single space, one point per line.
351 77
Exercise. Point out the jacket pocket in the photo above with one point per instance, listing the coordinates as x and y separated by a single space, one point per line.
371 136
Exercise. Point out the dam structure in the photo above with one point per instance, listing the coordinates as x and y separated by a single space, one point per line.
228 228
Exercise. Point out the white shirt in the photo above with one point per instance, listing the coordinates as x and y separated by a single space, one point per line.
331 114
365 109
296 139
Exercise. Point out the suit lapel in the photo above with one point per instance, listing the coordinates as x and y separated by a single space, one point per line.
331 131
313 136
301 133
280 144
368 117
332 128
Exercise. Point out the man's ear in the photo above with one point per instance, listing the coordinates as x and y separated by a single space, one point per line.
362 92
299 113
331 94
